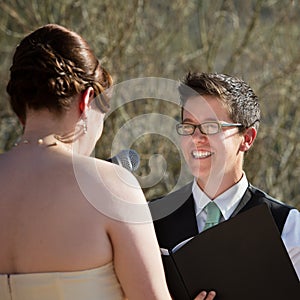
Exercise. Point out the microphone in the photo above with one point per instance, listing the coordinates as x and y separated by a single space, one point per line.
128 159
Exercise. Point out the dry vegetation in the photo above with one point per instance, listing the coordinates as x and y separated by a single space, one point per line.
256 40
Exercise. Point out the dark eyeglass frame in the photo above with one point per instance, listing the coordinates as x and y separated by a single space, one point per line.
200 127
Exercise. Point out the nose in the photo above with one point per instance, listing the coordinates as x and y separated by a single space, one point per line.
199 136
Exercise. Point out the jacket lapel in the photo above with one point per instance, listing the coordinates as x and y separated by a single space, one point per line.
181 223
245 199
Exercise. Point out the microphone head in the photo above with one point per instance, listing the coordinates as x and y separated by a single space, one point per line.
128 159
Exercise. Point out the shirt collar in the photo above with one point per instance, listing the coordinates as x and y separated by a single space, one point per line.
227 201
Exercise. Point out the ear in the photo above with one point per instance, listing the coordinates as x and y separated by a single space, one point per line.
248 139
86 99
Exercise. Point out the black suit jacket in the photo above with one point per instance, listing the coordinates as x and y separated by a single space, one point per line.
175 220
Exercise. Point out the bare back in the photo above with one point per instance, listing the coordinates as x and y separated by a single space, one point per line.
48 225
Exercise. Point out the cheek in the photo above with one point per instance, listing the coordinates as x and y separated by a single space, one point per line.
186 143
231 147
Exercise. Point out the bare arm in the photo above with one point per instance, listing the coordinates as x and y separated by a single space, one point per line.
138 263
137 260
136 252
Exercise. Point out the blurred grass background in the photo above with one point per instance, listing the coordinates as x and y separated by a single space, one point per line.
256 40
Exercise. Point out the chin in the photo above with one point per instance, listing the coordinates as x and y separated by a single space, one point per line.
205 175
200 174
199 169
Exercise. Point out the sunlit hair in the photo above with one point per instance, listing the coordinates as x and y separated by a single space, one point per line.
235 94
50 66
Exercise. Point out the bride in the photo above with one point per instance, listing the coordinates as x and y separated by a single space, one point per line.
65 218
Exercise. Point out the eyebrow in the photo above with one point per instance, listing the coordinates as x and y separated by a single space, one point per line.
188 120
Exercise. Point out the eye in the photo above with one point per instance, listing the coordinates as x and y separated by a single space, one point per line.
185 129
188 127
210 127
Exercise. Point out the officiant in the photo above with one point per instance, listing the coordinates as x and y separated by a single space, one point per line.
220 118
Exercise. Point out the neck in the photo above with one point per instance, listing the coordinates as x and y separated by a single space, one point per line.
215 186
45 128
43 123
44 142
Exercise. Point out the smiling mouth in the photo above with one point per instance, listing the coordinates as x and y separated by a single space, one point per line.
201 154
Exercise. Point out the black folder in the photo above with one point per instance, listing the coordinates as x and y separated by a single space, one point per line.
242 258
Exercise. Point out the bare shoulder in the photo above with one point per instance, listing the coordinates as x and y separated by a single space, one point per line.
113 178
124 198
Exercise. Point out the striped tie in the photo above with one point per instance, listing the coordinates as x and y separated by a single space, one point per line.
213 215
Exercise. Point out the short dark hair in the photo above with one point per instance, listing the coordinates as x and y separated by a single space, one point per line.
51 65
233 92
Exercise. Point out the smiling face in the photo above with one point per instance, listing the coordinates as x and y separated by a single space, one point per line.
215 160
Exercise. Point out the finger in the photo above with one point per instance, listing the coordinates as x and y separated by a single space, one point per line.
211 295
201 296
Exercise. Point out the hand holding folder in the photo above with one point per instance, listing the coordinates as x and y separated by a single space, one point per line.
243 258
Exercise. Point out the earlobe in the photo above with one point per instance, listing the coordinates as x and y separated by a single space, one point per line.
86 99
81 106
248 139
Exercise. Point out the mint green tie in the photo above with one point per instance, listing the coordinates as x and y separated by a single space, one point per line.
213 215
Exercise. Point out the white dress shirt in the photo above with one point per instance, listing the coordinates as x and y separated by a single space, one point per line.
227 203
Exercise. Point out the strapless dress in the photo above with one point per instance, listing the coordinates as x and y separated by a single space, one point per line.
93 284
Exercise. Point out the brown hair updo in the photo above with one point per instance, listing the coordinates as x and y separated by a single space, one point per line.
51 65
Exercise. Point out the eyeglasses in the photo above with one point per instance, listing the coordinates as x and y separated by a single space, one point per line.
207 128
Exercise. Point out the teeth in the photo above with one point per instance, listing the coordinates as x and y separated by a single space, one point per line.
201 154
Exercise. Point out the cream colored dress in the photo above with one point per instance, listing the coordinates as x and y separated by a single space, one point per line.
94 284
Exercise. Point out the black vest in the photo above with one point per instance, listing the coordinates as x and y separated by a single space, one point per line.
174 215
255 196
